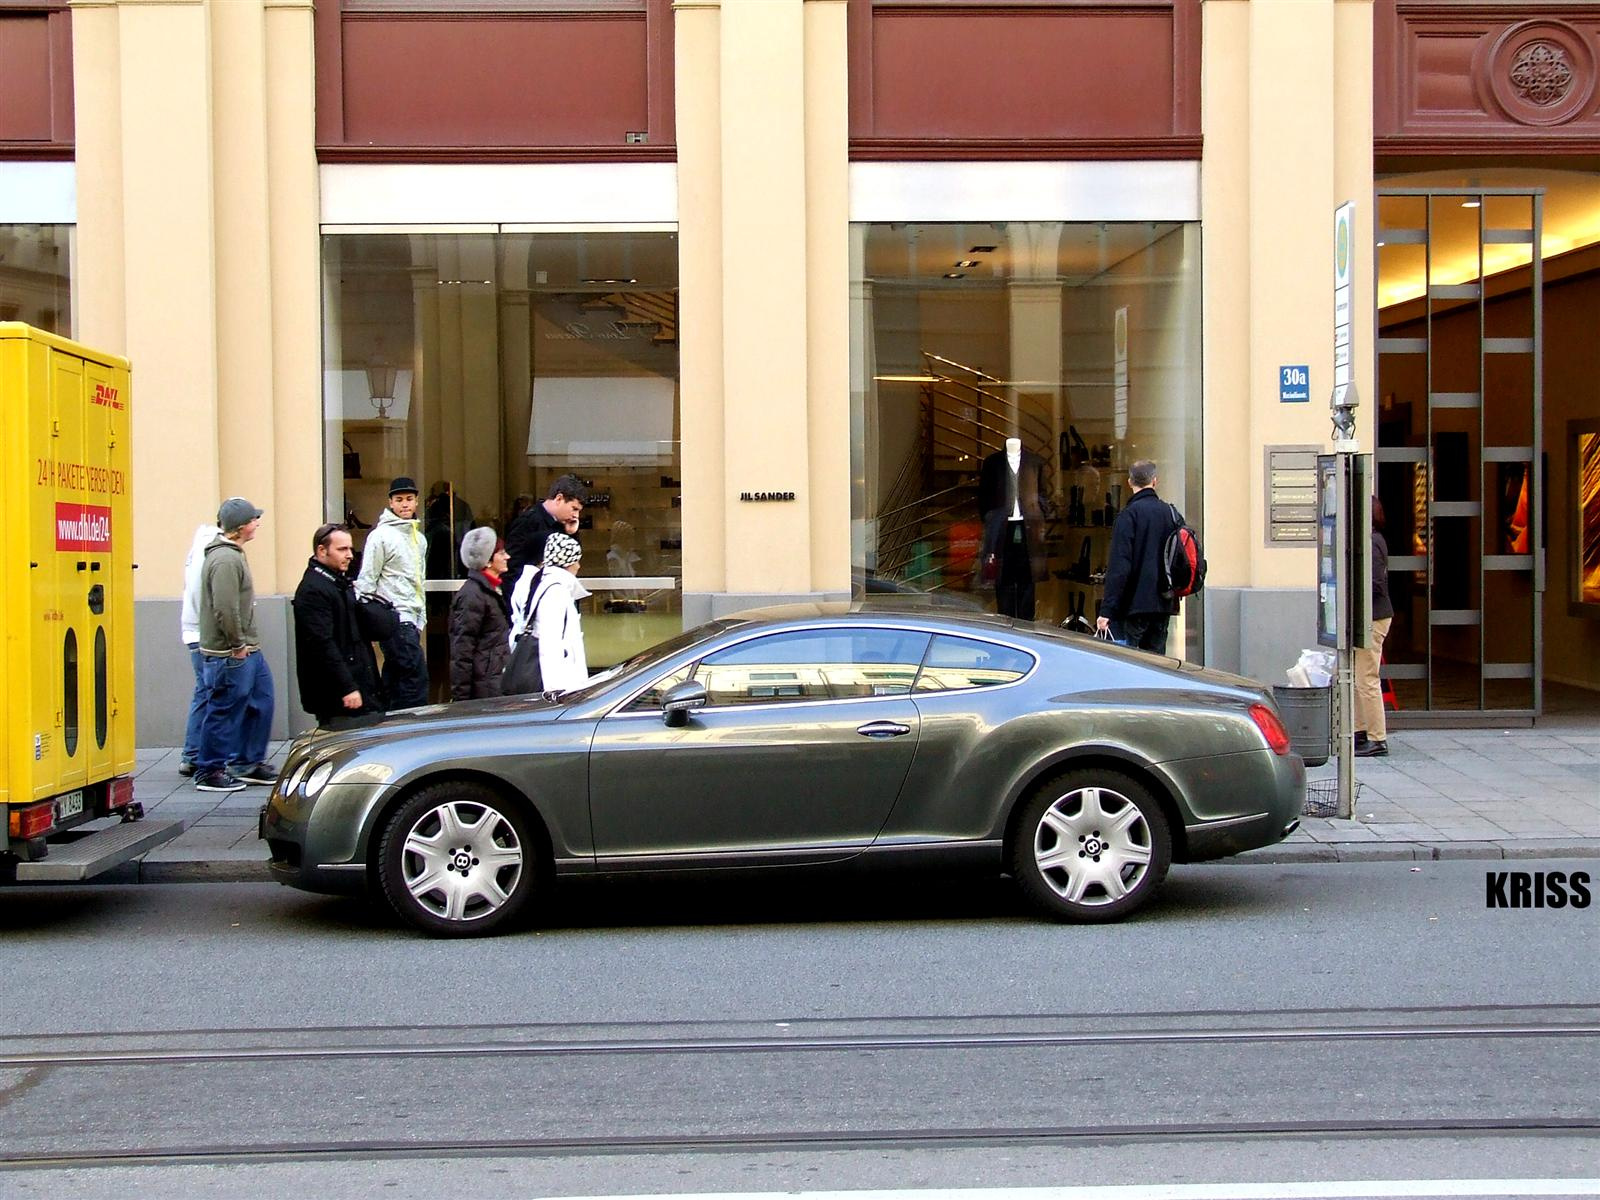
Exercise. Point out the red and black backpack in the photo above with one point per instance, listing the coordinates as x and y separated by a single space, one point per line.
1183 565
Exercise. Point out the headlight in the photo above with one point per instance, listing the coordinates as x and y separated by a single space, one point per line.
319 776
292 780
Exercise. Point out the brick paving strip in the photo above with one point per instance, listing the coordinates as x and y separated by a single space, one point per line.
1440 794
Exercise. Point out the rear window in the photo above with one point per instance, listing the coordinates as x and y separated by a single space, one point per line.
957 663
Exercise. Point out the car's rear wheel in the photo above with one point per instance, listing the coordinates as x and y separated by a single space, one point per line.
457 860
1090 845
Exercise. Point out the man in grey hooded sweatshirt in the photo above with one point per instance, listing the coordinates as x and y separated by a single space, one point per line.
239 695
391 569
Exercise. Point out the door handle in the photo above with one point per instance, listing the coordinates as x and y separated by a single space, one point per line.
883 729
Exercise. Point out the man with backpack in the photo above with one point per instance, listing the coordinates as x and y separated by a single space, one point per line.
1154 562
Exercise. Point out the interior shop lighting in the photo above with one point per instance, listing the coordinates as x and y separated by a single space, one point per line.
1471 203
967 262
955 274
464 282
982 249
609 282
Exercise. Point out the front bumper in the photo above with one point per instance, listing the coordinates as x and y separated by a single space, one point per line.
315 843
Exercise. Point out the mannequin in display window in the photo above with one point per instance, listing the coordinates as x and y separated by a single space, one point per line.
1010 491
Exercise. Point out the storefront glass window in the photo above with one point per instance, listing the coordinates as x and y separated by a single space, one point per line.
484 366
1082 341
35 276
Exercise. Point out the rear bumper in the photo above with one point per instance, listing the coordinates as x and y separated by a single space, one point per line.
1272 790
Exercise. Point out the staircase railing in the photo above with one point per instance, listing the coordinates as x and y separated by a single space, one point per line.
987 419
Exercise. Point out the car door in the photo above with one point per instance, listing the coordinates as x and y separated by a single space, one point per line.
799 754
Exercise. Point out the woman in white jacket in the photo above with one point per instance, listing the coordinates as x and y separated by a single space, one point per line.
548 600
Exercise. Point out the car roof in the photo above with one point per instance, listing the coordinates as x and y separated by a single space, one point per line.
879 609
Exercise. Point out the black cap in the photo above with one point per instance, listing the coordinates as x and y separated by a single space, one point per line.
403 484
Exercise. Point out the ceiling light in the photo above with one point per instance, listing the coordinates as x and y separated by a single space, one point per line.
982 249
1470 203
1383 243
612 282
967 262
955 274
463 282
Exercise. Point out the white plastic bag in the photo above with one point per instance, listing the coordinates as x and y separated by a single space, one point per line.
1315 669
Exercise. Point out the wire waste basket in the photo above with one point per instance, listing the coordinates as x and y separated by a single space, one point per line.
1322 797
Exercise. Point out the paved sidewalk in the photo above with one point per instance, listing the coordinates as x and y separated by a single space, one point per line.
1456 793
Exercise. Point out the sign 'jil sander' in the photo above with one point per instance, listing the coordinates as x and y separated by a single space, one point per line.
756 497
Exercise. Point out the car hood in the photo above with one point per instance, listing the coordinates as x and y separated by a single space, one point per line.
436 718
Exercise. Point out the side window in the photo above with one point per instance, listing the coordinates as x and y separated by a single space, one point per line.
814 664
956 663
649 700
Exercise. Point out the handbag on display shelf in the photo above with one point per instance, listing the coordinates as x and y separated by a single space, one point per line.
352 461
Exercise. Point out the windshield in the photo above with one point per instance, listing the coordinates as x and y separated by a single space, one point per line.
645 660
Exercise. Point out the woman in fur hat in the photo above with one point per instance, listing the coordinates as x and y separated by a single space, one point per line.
480 619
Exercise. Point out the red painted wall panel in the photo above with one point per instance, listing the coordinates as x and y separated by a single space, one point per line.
494 84
1025 78
532 82
36 83
1021 75
1471 78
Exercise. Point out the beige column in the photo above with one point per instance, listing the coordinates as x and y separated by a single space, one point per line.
764 349
827 287
293 221
142 81
764 274
244 393
697 34
196 257
1274 173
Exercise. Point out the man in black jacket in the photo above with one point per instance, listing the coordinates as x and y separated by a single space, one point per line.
1133 608
335 665
557 514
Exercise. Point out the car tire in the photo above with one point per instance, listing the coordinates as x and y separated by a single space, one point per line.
1091 845
458 860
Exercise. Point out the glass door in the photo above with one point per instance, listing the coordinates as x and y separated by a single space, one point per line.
1460 308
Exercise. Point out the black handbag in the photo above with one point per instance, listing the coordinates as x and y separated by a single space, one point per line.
523 675
352 461
379 620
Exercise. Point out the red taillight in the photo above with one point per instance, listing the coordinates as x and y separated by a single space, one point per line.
1271 728
32 821
121 793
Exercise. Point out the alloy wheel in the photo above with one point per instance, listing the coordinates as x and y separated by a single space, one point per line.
1093 846
462 861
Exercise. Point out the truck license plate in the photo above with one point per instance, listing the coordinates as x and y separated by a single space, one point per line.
69 805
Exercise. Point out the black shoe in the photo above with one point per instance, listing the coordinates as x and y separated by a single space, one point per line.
217 781
259 773
1361 738
1375 748
185 767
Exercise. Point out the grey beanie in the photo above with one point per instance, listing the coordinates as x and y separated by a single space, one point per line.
477 547
561 550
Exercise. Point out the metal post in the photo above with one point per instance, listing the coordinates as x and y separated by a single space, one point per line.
1344 679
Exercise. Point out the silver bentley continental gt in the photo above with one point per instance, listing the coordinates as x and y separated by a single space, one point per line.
801 737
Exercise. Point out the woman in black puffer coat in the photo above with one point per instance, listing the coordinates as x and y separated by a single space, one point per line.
480 619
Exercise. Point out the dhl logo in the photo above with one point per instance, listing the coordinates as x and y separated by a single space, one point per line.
106 397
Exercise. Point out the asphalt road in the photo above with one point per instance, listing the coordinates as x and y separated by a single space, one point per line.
1330 1022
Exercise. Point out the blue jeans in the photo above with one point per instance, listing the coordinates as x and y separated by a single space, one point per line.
1142 631
197 707
238 720
405 670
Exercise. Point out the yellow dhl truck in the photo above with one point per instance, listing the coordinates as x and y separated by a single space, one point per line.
66 612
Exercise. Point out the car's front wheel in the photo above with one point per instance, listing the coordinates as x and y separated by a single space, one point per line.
1091 845
457 860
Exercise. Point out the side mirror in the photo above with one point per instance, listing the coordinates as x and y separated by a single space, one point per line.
681 699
